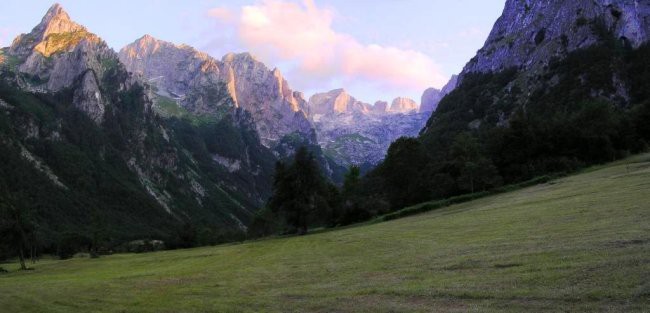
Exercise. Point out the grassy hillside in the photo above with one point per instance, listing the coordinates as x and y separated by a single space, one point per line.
578 244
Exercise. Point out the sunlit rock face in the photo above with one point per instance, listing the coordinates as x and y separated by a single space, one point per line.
336 101
275 107
203 84
531 32
403 105
58 53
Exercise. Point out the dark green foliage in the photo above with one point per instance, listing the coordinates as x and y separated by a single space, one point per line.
265 223
402 172
298 192
17 226
71 243
430 206
476 171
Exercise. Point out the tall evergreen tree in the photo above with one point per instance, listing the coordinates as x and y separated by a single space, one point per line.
296 191
16 227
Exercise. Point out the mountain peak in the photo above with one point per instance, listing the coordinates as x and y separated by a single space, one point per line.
56 10
147 39
403 105
239 57
338 91
56 21
43 37
336 101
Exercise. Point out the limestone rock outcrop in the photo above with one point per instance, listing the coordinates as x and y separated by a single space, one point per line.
59 52
529 33
403 105
202 84
336 101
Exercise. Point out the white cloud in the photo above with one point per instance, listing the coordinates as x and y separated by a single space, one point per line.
302 35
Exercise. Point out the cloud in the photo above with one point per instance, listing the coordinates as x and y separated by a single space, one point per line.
302 34
223 14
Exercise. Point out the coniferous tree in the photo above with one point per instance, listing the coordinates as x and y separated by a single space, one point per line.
296 191
17 230
351 210
402 172
476 172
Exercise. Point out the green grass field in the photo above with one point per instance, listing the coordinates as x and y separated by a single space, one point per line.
577 244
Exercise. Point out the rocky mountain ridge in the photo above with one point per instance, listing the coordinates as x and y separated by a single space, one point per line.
530 33
59 51
85 134
339 101
193 78
357 133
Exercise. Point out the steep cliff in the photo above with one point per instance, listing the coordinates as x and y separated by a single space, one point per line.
202 85
83 138
530 33
336 101
403 105
59 51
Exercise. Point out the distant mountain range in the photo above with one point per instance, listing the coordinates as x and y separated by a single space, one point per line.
357 133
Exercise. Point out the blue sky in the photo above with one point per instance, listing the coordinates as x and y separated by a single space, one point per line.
377 50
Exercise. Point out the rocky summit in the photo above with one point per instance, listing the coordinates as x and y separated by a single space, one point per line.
202 84
336 101
59 51
403 105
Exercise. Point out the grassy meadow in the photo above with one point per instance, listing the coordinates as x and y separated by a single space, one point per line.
576 244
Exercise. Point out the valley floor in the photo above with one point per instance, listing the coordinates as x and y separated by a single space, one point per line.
578 244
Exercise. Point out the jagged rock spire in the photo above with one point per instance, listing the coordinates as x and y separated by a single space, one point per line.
56 21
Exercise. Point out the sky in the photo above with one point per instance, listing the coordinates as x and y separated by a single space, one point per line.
376 50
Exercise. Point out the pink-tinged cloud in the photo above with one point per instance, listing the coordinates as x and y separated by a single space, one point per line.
278 30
